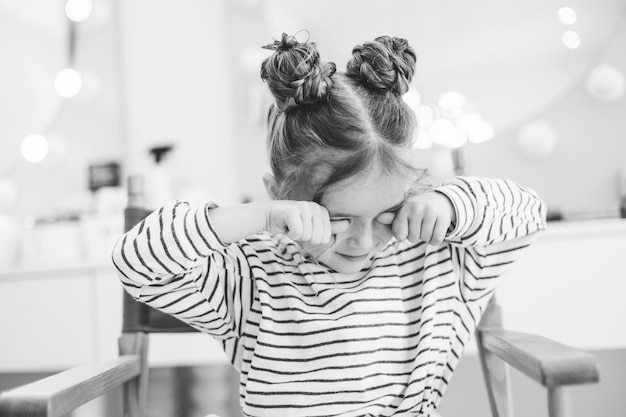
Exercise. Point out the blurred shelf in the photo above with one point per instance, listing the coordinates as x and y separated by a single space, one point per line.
593 228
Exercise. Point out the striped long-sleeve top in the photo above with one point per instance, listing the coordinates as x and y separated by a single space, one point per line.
309 343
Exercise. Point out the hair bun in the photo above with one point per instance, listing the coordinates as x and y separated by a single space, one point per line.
384 64
294 73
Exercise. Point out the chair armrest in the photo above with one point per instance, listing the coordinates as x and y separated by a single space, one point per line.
63 392
548 362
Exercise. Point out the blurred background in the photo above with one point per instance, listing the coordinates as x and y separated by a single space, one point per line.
92 91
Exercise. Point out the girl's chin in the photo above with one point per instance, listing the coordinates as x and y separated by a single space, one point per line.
345 264
338 261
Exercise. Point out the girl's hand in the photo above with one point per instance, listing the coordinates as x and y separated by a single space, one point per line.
425 217
302 221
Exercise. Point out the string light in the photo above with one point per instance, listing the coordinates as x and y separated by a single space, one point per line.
78 10
68 83
425 116
567 15
605 84
424 139
571 39
476 129
445 133
452 103
537 140
449 125
35 148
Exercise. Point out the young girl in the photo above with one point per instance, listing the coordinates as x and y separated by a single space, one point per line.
355 289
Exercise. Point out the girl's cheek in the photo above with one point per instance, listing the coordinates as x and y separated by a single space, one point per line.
384 233
315 251
338 239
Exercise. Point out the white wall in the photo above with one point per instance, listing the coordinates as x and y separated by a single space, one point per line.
176 88
170 71
591 150
86 129
510 63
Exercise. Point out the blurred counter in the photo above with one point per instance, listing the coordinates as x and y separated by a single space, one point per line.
55 317
61 315
563 229
570 285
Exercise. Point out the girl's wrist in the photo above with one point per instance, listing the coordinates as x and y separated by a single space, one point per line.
233 223
451 207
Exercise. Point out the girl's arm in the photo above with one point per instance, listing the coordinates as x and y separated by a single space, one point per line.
489 211
179 238
496 220
180 258
172 241
302 221
175 262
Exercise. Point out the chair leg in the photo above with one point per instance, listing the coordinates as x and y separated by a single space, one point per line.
559 402
495 371
135 391
497 381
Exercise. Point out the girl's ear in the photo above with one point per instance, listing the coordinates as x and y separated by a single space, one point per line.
271 186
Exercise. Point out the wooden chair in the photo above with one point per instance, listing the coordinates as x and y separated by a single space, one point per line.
551 364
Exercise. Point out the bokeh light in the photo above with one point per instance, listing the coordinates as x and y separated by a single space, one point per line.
78 10
605 84
571 39
445 133
35 148
537 140
452 103
567 15
68 83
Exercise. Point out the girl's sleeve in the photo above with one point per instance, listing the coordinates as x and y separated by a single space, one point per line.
496 220
174 261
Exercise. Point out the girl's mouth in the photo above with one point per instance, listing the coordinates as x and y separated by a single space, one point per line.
354 258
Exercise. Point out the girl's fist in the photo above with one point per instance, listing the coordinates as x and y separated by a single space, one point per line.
302 221
425 217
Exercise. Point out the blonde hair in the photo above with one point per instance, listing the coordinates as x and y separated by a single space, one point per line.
327 126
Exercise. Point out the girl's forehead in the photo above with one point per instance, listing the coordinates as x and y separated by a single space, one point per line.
369 196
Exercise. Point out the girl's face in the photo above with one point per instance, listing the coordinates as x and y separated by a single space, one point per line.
369 206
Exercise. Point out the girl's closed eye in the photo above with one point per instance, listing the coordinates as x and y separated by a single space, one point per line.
339 224
386 218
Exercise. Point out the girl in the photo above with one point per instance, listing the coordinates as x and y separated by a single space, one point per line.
355 289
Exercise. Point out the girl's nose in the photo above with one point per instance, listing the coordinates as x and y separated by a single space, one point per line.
361 236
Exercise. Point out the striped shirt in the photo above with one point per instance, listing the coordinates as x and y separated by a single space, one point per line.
310 342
